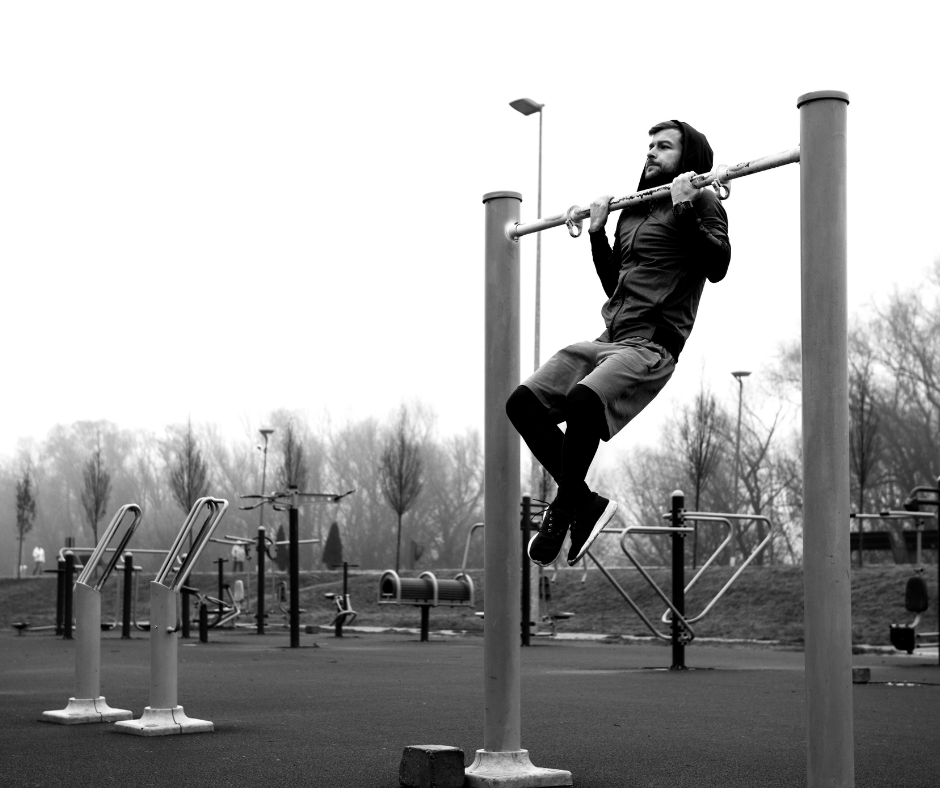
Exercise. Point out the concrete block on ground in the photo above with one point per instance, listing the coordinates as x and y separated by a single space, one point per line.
861 675
431 766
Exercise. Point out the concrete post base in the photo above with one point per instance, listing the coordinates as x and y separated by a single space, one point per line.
431 766
499 769
81 710
164 722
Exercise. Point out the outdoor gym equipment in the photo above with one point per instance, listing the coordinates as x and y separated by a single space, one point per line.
425 591
291 500
681 633
164 715
344 611
827 621
89 704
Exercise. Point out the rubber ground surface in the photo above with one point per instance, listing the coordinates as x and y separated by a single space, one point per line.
337 713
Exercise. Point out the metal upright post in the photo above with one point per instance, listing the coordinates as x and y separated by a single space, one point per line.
826 565
67 604
128 590
60 596
502 761
221 562
261 549
526 574
678 580
294 538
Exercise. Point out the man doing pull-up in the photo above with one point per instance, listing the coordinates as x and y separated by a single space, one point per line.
654 277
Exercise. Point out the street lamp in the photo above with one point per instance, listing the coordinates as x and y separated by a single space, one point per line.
740 375
265 432
529 107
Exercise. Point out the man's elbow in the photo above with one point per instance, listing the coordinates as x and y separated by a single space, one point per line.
718 269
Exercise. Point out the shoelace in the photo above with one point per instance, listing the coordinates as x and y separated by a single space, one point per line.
550 526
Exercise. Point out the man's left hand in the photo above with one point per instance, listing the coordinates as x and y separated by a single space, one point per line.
683 190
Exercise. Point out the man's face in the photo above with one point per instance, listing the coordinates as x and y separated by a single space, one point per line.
664 155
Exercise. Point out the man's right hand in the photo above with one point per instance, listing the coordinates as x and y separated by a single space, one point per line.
600 209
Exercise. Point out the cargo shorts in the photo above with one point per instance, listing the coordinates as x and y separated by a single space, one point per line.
626 376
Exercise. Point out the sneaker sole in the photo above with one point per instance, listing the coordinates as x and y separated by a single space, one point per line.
535 560
602 521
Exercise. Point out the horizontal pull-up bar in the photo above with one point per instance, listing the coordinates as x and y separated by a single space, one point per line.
721 174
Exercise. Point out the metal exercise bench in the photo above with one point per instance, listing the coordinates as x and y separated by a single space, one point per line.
425 591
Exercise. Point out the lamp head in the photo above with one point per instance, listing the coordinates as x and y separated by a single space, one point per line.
526 106
265 431
740 374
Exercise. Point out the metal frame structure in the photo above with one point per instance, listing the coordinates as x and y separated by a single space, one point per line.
164 715
827 615
290 500
89 704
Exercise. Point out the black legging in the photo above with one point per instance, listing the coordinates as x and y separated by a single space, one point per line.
567 456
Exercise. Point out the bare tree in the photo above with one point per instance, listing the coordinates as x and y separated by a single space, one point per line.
25 510
701 431
96 489
189 472
864 417
293 470
400 471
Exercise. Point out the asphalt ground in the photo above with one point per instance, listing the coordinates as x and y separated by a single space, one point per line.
337 713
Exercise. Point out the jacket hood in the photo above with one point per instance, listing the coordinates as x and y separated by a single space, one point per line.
696 155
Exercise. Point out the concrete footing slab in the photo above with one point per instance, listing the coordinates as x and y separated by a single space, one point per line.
81 710
164 722
511 769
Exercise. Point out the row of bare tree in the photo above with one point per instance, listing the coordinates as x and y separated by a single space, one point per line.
415 498
417 494
894 421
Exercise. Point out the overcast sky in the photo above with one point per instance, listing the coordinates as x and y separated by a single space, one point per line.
210 210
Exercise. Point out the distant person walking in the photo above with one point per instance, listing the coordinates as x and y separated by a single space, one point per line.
39 560
238 558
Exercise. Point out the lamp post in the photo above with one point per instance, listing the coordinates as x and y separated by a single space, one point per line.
265 433
529 107
739 375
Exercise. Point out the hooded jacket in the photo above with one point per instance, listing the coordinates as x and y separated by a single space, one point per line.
655 273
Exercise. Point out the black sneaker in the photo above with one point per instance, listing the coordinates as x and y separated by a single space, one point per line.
590 520
546 544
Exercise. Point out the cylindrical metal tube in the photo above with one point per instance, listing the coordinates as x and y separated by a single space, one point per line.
826 567
185 606
722 172
60 596
67 605
163 647
293 525
261 549
203 622
128 589
678 580
221 562
502 554
526 574
87 642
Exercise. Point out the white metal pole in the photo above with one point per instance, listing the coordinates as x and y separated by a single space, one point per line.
826 568
502 761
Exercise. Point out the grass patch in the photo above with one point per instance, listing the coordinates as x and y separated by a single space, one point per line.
766 603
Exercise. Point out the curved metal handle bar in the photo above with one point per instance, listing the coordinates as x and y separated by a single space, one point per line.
894 515
721 174
213 510
721 521
282 500
686 636
103 545
751 557
466 550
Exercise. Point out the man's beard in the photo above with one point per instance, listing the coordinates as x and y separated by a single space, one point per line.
660 177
